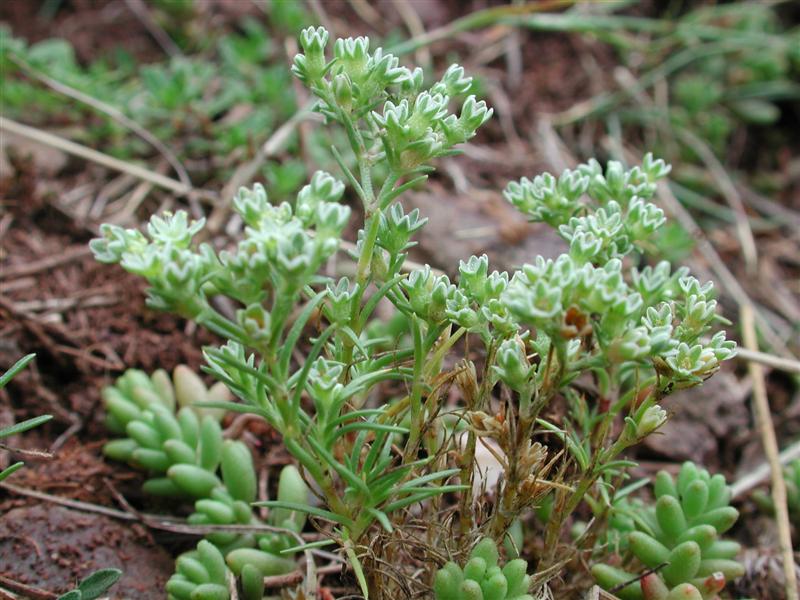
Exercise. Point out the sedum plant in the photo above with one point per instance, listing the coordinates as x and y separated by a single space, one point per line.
188 457
482 578
200 575
306 351
678 541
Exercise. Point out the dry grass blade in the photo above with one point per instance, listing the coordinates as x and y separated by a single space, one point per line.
112 112
770 442
762 471
70 147
25 590
770 360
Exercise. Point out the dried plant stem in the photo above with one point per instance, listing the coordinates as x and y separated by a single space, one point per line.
732 197
476 20
770 442
140 10
762 471
770 360
159 522
110 111
70 147
27 591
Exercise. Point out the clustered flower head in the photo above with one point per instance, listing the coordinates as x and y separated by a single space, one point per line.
282 250
652 315
602 215
414 125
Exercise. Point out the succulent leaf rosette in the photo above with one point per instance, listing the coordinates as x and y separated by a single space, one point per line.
679 541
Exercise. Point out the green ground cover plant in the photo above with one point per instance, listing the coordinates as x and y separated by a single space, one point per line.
679 538
213 99
181 445
482 578
599 328
94 585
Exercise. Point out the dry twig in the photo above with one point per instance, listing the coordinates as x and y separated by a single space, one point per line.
26 591
770 442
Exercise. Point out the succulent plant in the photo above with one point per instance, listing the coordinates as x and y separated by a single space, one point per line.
482 578
200 575
183 449
678 541
189 457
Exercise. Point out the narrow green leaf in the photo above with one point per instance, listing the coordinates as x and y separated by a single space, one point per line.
246 409
363 382
308 546
305 508
299 379
431 477
11 469
357 569
429 492
96 584
24 425
285 355
366 425
15 368
373 301
382 518
350 477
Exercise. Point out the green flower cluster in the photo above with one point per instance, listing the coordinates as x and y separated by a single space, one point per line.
654 315
679 538
482 578
414 125
601 214
282 251
188 457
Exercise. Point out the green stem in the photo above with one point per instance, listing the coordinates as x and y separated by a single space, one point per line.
368 249
319 474
285 299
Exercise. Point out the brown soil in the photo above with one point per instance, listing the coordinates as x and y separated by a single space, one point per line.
53 547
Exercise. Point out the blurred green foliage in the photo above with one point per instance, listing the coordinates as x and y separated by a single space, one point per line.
213 107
